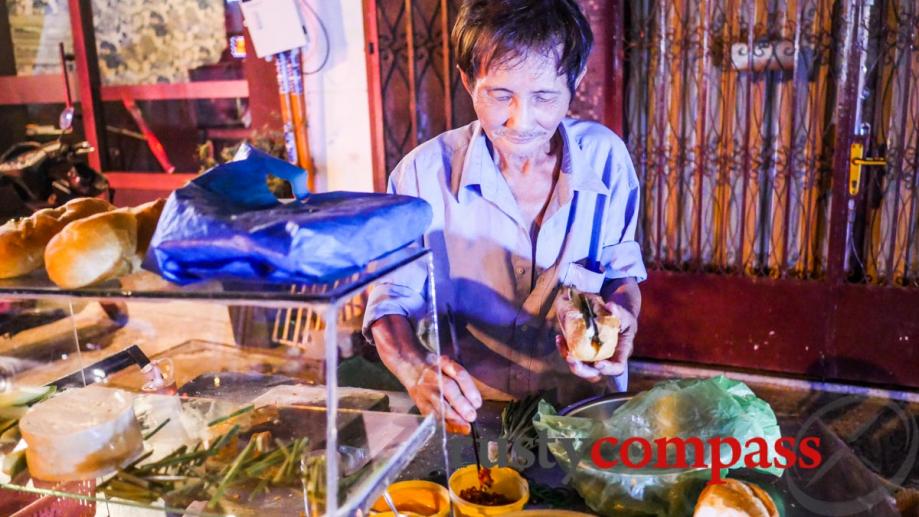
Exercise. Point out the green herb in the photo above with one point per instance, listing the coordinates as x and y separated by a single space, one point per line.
186 475
234 469
234 414
517 421
156 430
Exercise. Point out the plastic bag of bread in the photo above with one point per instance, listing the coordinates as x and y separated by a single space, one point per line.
590 330
735 498
23 241
102 247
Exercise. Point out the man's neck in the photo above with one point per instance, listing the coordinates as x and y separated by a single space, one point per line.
539 161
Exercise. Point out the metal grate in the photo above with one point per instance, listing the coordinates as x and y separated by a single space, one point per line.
728 113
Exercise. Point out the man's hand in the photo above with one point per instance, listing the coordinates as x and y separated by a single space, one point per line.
461 397
628 327
623 300
417 371
614 366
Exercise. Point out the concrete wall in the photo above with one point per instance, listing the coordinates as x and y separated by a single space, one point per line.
338 112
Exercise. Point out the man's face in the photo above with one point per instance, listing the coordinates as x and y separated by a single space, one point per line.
520 103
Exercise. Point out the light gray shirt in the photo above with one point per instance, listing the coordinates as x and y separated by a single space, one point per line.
499 283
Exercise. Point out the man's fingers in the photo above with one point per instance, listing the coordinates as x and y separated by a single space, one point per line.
583 371
453 370
578 368
459 403
619 363
610 368
562 346
455 423
619 311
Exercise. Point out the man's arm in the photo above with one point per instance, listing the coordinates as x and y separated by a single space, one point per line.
417 370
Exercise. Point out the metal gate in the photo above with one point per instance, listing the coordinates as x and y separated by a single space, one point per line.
732 119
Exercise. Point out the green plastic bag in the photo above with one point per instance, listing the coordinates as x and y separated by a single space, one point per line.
702 408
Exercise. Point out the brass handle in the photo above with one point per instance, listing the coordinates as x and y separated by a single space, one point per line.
857 160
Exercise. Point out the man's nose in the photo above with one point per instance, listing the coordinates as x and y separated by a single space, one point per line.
521 117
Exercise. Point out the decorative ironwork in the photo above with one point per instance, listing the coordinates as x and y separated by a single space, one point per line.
734 159
886 244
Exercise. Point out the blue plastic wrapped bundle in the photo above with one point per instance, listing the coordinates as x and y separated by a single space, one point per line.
226 224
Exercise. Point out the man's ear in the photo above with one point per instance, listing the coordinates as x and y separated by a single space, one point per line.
466 83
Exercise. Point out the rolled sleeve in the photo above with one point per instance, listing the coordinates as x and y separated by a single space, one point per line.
621 253
623 260
389 298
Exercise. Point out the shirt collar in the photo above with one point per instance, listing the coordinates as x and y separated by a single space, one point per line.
479 169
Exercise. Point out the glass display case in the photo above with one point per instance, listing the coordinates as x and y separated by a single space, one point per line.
217 398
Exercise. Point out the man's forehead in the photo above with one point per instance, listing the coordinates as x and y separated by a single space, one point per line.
535 71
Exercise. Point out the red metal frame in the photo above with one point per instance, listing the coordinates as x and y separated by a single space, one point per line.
374 95
412 86
616 101
89 83
49 89
824 328
148 180
231 89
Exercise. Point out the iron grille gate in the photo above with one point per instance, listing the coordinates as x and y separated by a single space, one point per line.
739 115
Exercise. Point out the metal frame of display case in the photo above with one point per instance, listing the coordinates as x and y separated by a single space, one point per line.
328 297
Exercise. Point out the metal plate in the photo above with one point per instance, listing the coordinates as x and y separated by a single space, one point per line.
597 408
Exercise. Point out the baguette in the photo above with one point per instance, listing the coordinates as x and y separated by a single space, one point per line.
102 247
23 241
578 330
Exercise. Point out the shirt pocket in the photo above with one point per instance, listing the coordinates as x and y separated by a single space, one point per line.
581 278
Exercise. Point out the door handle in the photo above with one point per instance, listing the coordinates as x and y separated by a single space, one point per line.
857 160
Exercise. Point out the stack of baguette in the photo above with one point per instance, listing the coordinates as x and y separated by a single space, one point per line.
85 242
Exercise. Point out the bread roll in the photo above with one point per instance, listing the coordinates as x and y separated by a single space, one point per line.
23 241
579 333
735 498
81 434
101 247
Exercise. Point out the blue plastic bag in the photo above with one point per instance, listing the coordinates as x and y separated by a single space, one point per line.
226 224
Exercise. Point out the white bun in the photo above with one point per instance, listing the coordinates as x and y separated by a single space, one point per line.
23 241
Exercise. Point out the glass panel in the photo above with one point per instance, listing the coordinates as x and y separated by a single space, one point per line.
379 440
201 400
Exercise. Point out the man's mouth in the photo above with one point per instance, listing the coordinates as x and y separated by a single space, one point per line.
520 139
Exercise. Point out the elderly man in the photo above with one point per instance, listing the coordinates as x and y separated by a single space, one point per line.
525 201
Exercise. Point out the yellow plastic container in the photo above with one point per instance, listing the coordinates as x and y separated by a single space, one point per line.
422 498
507 482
